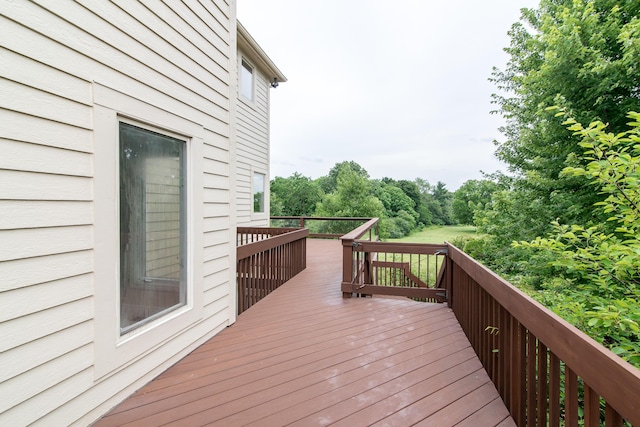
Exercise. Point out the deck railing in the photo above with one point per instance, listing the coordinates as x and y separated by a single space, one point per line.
547 371
320 227
266 258
401 269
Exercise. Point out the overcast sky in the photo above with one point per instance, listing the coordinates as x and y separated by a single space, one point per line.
399 87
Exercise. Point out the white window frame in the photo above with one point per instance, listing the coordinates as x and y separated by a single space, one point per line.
114 351
241 80
260 215
183 229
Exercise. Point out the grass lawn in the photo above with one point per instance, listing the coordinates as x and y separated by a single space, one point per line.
438 234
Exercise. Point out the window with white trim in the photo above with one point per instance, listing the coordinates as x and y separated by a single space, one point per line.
153 279
170 269
247 80
258 192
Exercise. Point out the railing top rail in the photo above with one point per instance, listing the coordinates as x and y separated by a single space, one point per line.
324 218
266 230
249 249
611 377
401 247
360 231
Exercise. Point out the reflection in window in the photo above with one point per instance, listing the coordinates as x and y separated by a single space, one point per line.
246 80
258 192
152 225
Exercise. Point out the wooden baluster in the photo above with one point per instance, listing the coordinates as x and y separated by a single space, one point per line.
532 384
591 407
612 418
570 398
554 390
542 384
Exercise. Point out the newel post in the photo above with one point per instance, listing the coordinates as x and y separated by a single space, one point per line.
347 268
448 279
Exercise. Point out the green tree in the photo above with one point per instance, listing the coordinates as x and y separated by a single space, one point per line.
352 198
276 207
435 206
400 215
585 56
394 199
329 183
596 282
443 198
295 196
472 196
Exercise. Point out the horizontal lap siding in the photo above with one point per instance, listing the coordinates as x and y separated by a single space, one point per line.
252 149
171 55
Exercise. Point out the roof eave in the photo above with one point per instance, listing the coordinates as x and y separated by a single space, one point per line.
252 49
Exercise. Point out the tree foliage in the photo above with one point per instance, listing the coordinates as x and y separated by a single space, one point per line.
403 206
352 198
584 56
473 196
329 183
596 283
294 196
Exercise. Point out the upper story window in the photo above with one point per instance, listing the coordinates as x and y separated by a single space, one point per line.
258 192
153 241
247 78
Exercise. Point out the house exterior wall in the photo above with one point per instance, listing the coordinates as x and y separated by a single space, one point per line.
252 145
69 71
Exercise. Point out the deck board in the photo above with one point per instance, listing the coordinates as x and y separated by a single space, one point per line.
305 356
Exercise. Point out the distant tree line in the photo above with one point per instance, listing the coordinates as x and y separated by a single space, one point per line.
347 191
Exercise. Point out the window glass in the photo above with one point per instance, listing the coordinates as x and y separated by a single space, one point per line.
246 81
152 225
258 192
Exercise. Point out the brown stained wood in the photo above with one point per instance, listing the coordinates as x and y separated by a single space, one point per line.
571 398
304 353
489 415
554 391
439 400
457 411
369 391
255 247
518 382
506 346
615 380
400 248
531 377
612 418
522 375
591 407
269 258
435 294
542 384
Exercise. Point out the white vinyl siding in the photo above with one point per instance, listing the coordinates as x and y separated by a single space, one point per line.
57 59
252 151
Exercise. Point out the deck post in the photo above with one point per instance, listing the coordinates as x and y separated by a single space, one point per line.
448 279
347 268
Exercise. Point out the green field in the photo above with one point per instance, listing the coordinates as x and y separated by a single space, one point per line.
438 234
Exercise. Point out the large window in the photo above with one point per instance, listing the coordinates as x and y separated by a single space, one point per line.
152 225
258 192
246 80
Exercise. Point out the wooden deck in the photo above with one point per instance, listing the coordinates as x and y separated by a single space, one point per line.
305 356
